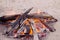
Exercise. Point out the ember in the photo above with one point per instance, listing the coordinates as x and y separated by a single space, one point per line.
28 26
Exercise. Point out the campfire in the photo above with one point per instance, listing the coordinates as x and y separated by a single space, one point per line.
28 26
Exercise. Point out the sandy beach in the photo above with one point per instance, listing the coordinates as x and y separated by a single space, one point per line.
52 7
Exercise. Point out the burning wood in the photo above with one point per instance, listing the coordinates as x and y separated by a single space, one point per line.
28 25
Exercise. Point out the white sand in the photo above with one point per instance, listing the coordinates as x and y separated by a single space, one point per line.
18 6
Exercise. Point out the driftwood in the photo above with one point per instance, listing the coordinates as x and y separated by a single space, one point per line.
4 19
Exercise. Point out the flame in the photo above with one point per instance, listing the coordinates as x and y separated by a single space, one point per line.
38 25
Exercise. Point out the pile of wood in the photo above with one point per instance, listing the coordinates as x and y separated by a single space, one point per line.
28 26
